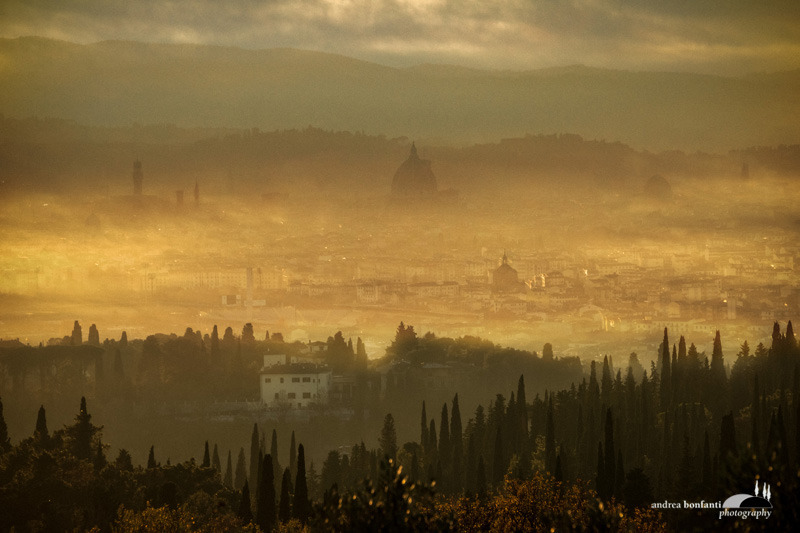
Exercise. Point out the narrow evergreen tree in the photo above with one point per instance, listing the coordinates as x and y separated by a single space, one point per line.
40 433
498 465
445 453
5 442
151 458
82 433
244 511
255 456
423 435
301 505
550 440
666 376
240 477
522 410
480 478
273 451
215 462
457 446
227 479
606 382
266 514
293 457
718 379
285 506
206 457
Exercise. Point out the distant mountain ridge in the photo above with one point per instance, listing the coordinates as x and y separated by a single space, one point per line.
117 83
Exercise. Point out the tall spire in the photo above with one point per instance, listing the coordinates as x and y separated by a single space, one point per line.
414 151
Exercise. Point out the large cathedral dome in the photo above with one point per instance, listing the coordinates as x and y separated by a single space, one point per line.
414 178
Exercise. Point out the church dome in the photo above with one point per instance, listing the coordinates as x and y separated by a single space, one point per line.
505 277
414 178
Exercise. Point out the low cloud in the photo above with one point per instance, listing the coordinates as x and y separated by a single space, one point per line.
731 36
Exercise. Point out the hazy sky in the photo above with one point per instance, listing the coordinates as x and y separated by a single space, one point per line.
718 36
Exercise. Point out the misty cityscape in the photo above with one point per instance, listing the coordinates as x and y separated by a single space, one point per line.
320 281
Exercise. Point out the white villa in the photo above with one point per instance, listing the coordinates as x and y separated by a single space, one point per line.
293 383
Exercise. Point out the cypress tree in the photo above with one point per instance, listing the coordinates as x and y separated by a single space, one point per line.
498 466
227 480
432 444
273 450
293 457
423 435
457 445
266 515
605 382
5 442
445 453
522 413
550 441
151 458
255 456
83 431
719 380
240 477
215 463
301 505
206 457
600 478
40 433
666 376
285 508
244 511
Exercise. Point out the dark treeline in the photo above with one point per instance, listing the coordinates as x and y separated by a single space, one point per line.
48 155
140 382
64 481
687 429
692 428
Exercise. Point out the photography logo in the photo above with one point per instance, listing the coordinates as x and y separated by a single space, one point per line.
740 506
749 505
